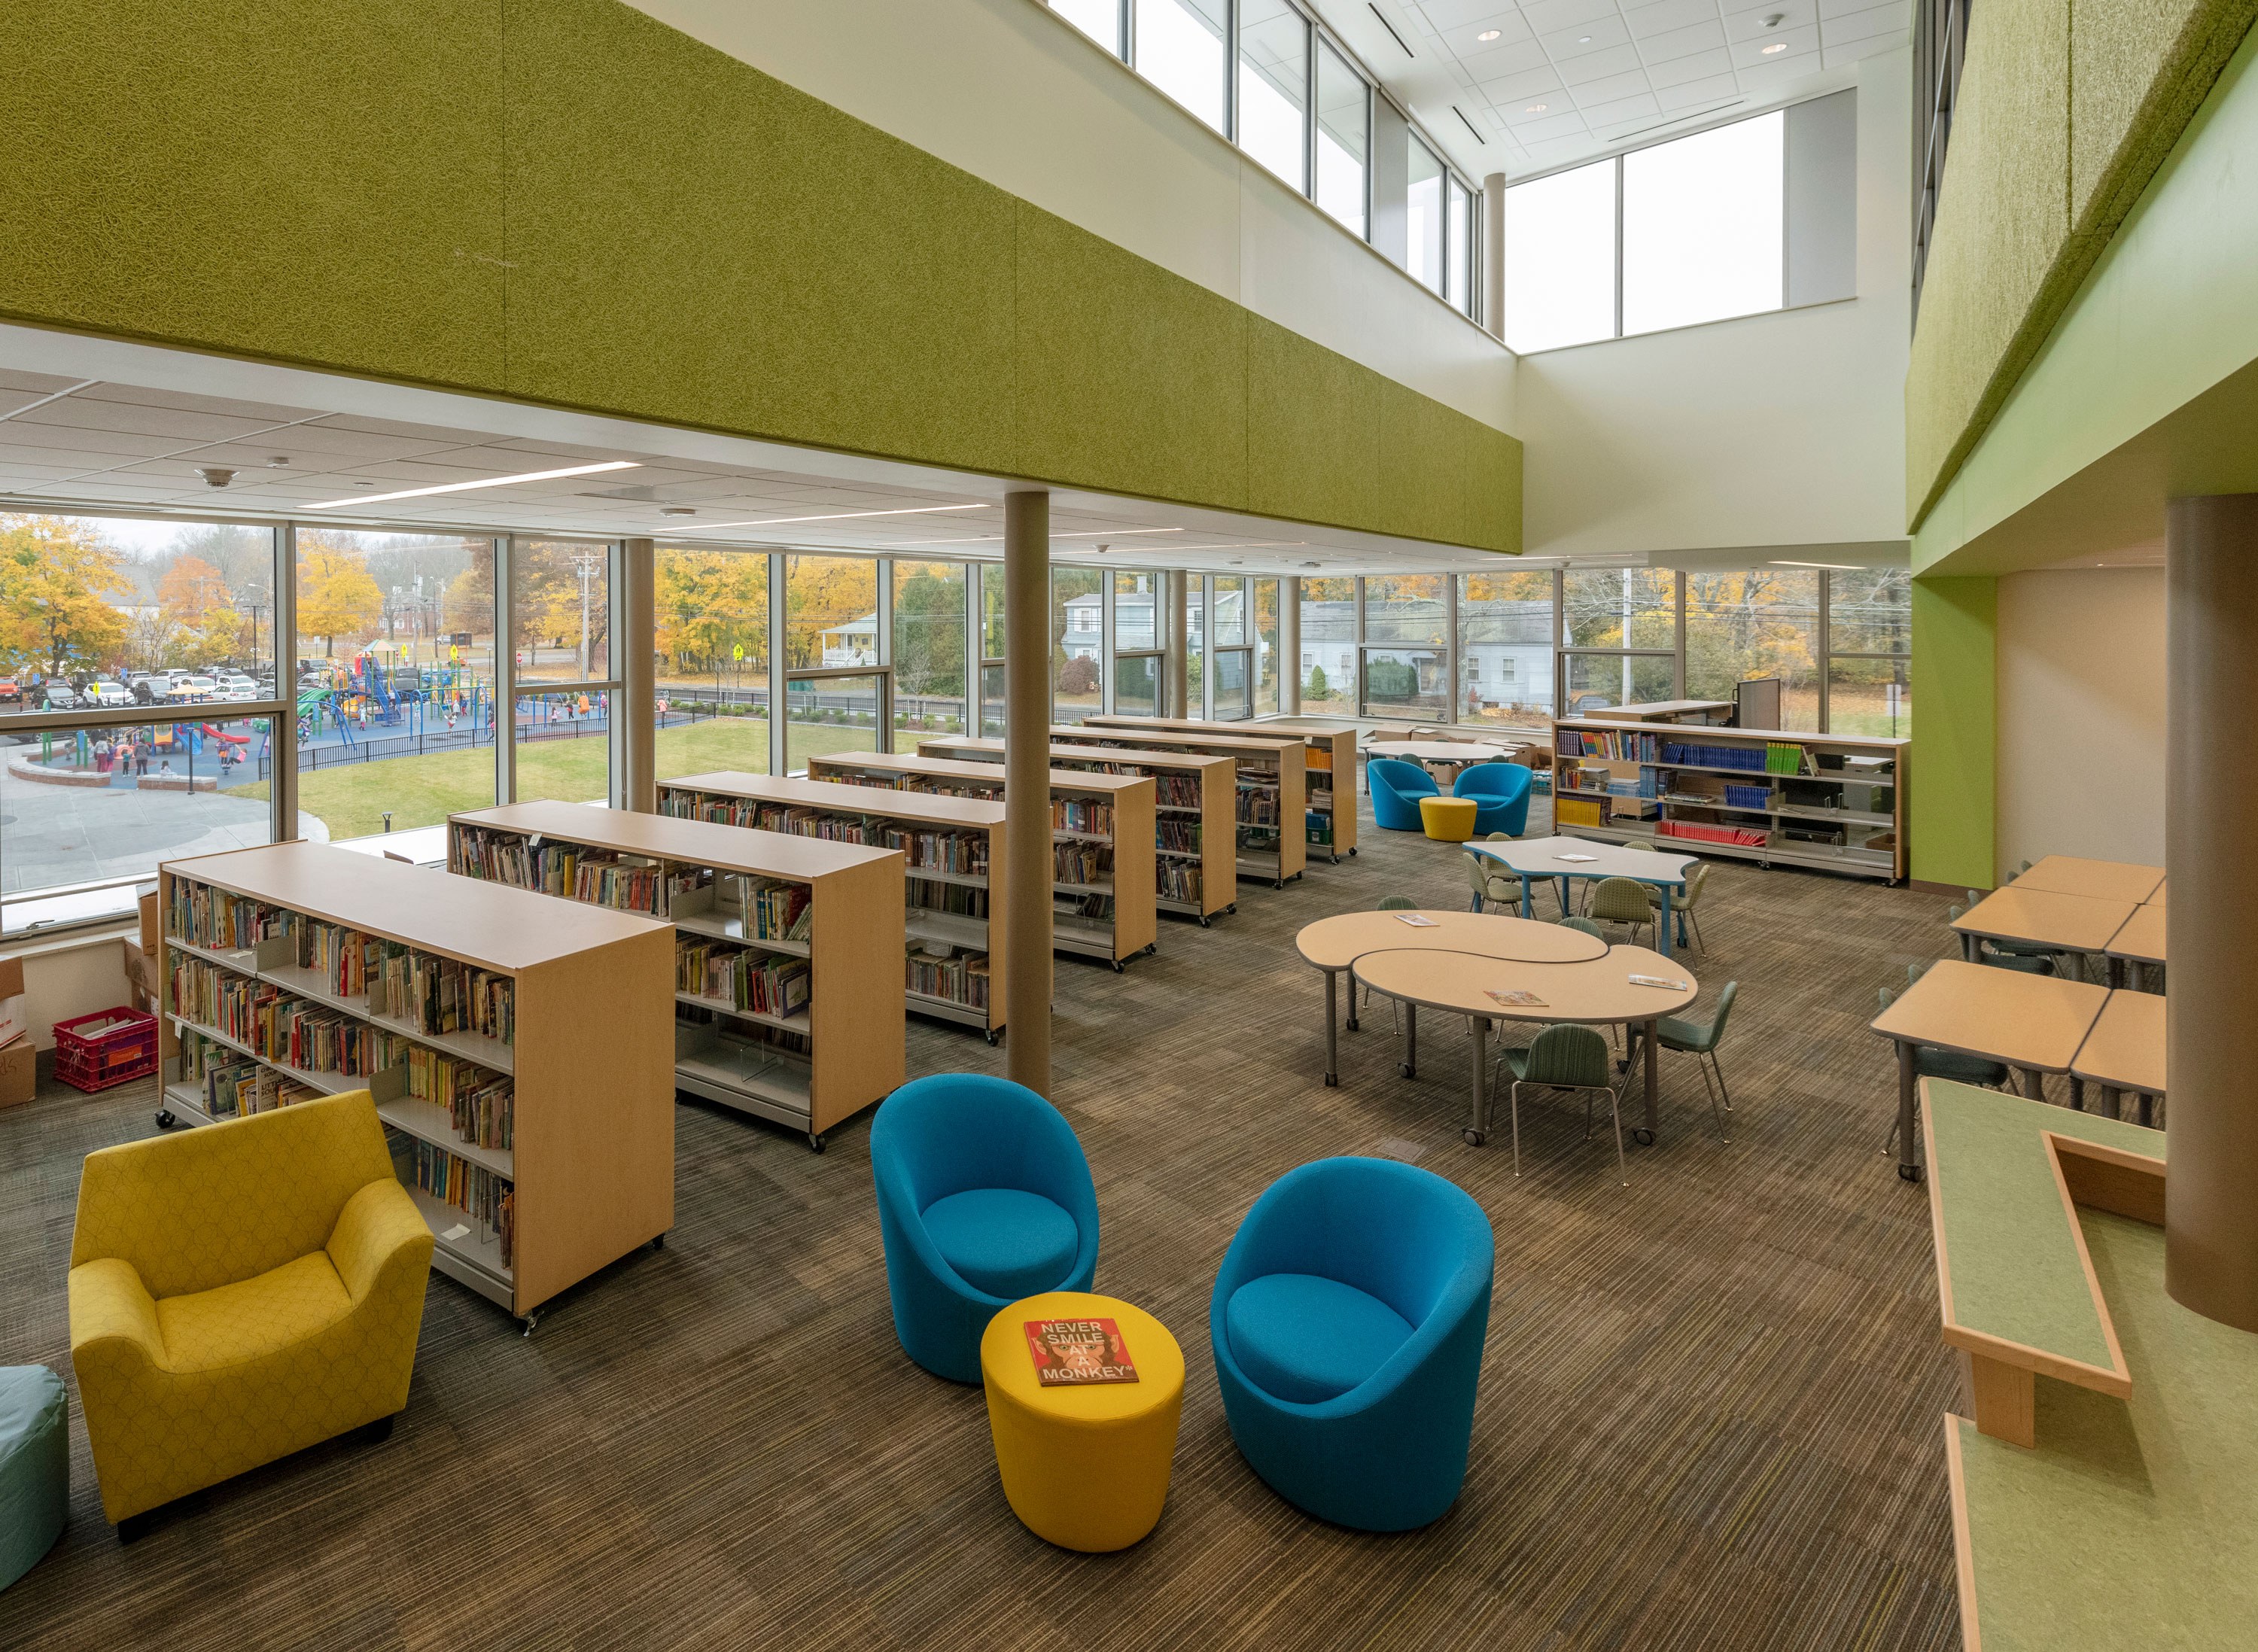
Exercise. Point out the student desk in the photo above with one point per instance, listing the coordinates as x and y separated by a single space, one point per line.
2125 1051
1594 992
1541 857
2032 1023
2100 880
2140 941
1333 944
2066 923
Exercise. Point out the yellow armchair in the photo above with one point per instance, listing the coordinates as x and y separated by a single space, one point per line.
240 1293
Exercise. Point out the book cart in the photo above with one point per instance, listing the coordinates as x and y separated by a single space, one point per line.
1329 750
1194 801
1271 788
952 932
1101 891
1835 802
517 1052
783 1000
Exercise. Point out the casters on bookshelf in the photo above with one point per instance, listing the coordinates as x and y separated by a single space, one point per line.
1278 883
531 1319
1643 1136
1351 848
1332 1081
1407 1069
1909 1173
815 1141
995 1036
1472 1138
1119 965
1204 923
165 1120
1233 909
1335 859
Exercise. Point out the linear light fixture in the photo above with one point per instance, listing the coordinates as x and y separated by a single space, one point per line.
1839 567
830 516
464 487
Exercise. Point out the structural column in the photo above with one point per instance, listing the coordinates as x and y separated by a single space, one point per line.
1493 255
1290 646
2210 1220
637 720
1027 790
1180 643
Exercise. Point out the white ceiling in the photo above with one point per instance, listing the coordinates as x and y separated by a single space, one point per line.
1570 80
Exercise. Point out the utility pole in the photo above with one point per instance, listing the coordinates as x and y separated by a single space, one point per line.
586 562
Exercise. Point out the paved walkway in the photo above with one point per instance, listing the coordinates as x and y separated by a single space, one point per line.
53 834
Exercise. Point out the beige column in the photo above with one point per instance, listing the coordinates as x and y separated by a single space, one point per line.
1290 646
1494 254
637 720
1179 655
2210 1220
1027 868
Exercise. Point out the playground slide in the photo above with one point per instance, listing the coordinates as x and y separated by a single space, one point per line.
233 739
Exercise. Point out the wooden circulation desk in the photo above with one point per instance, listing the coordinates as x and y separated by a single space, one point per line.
731 888
1110 814
953 854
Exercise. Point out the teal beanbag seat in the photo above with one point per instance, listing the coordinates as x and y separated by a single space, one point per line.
34 1466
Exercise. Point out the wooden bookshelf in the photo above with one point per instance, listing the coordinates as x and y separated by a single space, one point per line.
587 1162
1102 911
1843 810
1328 751
1194 805
952 921
730 889
1697 713
1272 779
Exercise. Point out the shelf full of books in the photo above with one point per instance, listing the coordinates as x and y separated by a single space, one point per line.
951 928
520 1064
1271 779
1102 840
1329 750
783 1006
1194 799
1835 802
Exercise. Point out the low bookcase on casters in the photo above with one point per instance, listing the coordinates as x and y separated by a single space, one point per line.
1272 777
1329 750
785 1003
518 1051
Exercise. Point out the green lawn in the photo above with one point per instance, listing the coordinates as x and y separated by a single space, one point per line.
351 797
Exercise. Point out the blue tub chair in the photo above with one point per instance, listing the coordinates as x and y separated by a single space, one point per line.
984 1198
1397 787
1348 1326
1501 795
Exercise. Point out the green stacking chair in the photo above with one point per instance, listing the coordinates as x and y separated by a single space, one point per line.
1621 900
1566 1057
1700 1039
2031 957
1585 924
1494 881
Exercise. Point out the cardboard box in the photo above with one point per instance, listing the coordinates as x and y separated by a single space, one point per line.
140 976
149 938
19 1073
15 1021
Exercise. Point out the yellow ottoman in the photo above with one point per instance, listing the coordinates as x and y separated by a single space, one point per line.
1083 1466
1448 820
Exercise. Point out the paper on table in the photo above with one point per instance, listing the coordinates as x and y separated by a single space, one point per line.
1517 999
1667 984
1578 858
1415 920
456 1232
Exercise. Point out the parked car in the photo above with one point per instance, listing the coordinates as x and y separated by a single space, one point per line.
233 685
62 697
11 692
148 687
106 693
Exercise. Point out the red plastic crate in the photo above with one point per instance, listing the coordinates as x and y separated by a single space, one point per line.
94 1051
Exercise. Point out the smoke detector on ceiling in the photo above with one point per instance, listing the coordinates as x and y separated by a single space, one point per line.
1773 19
279 462
215 475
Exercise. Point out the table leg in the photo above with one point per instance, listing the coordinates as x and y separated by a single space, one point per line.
1332 1024
1410 1068
1479 1129
2147 1113
2116 973
2033 1083
1527 904
2112 1102
1662 939
1969 946
2076 1093
1908 1166
1653 1047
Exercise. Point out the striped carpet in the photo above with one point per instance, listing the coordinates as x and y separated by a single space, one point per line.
1709 1414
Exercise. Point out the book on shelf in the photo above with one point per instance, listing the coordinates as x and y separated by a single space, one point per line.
1077 862
437 995
1082 814
958 976
487 1200
953 900
1179 881
766 983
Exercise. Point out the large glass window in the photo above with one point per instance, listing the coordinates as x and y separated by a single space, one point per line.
1328 662
1274 83
1400 681
1344 139
825 714
1619 637
1077 643
560 603
831 626
1505 649
564 755
1561 259
1137 660
1194 648
1423 207
1758 622
1234 667
929 647
1703 226
1870 644
1266 647
992 648
1179 48
395 706
1099 19
1459 256
712 611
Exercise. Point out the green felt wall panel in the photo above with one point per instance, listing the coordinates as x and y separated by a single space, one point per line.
1955 682
2067 109
305 182
567 202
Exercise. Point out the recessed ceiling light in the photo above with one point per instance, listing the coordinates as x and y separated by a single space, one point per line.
675 510
1489 35
1776 46
1839 567
490 481
1534 109
279 462
1583 40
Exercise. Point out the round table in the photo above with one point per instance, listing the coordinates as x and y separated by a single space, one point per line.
1590 992
1332 944
1438 751
1085 1467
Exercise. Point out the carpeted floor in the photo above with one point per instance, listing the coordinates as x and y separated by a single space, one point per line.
1709 1414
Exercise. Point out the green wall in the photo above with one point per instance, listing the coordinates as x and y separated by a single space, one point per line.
2067 109
568 202
1955 682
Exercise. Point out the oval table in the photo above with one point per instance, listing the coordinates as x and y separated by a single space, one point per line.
1332 944
1589 992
